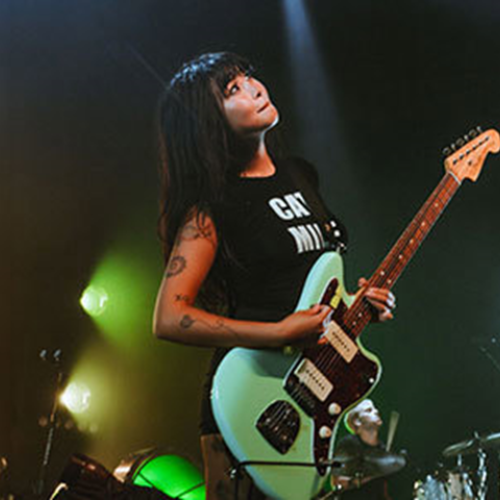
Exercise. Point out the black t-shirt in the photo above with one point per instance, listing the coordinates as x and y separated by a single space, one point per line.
273 239
376 489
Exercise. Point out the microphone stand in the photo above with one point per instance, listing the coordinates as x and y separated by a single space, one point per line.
235 472
55 360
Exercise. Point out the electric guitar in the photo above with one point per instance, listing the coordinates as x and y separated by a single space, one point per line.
278 411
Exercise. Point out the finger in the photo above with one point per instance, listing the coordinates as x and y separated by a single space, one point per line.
381 295
325 311
315 308
377 304
385 315
362 282
381 291
319 309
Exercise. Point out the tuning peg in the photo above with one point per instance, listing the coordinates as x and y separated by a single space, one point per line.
473 133
479 129
460 142
447 151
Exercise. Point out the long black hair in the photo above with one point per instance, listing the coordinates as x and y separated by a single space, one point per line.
199 152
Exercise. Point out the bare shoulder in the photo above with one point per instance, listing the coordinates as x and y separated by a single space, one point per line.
193 254
197 226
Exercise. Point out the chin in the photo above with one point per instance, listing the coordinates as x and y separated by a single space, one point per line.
275 114
272 122
276 120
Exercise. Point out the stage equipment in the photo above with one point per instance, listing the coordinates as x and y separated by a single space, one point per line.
372 463
86 479
171 474
454 484
94 300
478 446
472 446
76 397
54 358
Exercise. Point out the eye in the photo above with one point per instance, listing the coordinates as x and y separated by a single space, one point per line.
232 89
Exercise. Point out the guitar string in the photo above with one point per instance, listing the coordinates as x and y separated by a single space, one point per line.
394 265
360 308
328 356
430 213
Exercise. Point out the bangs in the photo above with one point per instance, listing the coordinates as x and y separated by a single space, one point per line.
216 67
229 69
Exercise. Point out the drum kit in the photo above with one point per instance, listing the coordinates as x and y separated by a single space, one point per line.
460 482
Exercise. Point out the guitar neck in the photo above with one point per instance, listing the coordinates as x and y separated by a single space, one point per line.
391 268
409 242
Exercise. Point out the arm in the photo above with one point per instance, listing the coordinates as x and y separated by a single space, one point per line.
177 319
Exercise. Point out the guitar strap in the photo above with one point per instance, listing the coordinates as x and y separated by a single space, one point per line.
319 210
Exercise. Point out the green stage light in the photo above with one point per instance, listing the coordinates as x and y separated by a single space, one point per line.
76 397
171 474
94 300
90 394
118 297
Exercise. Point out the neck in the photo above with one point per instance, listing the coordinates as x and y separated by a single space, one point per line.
369 436
260 164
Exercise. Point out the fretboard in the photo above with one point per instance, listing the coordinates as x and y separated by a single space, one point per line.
391 268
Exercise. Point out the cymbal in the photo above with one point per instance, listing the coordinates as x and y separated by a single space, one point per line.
463 448
492 440
374 462
470 446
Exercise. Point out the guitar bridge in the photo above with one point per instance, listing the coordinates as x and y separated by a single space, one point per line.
279 424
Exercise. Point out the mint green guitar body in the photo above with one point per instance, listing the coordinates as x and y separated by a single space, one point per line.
268 411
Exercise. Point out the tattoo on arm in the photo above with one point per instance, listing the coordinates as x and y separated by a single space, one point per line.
186 321
182 298
176 265
193 231
219 324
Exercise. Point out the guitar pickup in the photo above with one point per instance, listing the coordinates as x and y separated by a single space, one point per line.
341 342
313 379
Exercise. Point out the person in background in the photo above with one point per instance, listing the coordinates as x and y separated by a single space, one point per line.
365 448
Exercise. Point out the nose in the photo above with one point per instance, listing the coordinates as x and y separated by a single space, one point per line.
254 89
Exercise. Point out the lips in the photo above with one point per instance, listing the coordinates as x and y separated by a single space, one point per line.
262 108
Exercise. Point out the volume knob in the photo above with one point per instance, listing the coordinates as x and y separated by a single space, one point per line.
325 432
334 409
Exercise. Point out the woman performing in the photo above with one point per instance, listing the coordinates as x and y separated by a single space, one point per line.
238 230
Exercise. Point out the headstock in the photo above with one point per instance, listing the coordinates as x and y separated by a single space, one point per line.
465 157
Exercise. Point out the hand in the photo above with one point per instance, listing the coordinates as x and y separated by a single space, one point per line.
303 328
382 299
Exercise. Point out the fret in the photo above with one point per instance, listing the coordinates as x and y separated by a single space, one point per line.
465 163
391 268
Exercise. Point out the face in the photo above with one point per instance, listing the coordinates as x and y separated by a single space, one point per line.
368 415
247 106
